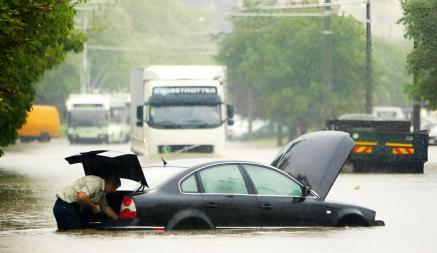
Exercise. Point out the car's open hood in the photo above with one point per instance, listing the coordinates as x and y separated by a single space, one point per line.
315 159
110 164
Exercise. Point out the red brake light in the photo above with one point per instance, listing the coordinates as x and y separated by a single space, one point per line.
127 201
128 209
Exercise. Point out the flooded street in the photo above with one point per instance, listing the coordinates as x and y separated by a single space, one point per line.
188 75
31 173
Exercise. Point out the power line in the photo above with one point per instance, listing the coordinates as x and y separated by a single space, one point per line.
327 14
303 6
114 48
265 14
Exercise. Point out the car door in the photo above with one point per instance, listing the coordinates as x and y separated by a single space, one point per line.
280 201
226 196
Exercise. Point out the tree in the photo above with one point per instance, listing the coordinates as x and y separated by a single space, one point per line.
420 20
157 32
163 32
390 64
279 62
35 36
55 85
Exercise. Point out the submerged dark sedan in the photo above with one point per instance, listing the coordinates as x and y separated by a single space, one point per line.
203 194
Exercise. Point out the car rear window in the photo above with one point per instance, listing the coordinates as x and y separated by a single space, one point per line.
156 175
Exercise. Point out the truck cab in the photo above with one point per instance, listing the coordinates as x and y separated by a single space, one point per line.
179 109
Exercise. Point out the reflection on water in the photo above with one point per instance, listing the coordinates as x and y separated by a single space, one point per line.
24 202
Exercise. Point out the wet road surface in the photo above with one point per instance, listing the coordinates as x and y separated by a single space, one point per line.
31 173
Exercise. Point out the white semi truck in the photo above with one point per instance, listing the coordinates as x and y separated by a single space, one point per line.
179 109
97 118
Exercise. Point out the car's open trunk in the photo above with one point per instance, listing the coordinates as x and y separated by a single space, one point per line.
91 220
110 164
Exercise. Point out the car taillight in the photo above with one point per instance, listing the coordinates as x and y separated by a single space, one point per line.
128 209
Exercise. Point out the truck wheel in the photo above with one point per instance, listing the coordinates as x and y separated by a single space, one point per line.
44 137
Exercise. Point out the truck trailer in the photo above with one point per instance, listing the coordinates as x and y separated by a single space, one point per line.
386 146
179 109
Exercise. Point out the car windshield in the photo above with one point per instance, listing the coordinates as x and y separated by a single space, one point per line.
89 118
119 115
185 116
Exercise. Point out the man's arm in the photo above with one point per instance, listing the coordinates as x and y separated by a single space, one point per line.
109 212
84 200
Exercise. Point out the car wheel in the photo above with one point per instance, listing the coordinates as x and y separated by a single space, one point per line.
352 221
44 137
25 139
192 223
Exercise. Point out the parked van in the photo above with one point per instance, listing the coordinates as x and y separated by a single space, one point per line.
42 124
388 113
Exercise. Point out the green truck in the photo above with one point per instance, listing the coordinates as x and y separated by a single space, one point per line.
384 146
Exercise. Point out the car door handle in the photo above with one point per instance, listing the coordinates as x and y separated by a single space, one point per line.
266 206
212 205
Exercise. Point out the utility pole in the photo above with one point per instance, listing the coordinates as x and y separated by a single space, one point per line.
84 68
327 90
416 104
369 76
84 8
326 96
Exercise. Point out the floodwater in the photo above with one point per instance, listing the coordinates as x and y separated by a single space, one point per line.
31 173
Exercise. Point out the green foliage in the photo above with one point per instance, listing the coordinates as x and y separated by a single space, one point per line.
278 63
420 20
157 32
55 85
390 61
162 32
35 35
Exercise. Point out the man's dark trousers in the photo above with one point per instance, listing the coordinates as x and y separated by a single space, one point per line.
67 215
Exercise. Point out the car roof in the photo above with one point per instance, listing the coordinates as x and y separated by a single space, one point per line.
187 166
198 162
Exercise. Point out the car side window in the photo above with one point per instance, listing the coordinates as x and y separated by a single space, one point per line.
271 182
189 185
223 179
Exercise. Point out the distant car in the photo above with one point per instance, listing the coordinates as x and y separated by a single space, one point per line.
213 194
429 124
357 116
388 113
433 136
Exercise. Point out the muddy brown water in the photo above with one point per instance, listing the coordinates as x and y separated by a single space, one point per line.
31 173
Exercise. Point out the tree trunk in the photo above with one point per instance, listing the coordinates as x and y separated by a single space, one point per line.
302 128
279 135
291 133
250 118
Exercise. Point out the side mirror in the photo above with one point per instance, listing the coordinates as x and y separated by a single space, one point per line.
230 114
140 116
306 191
